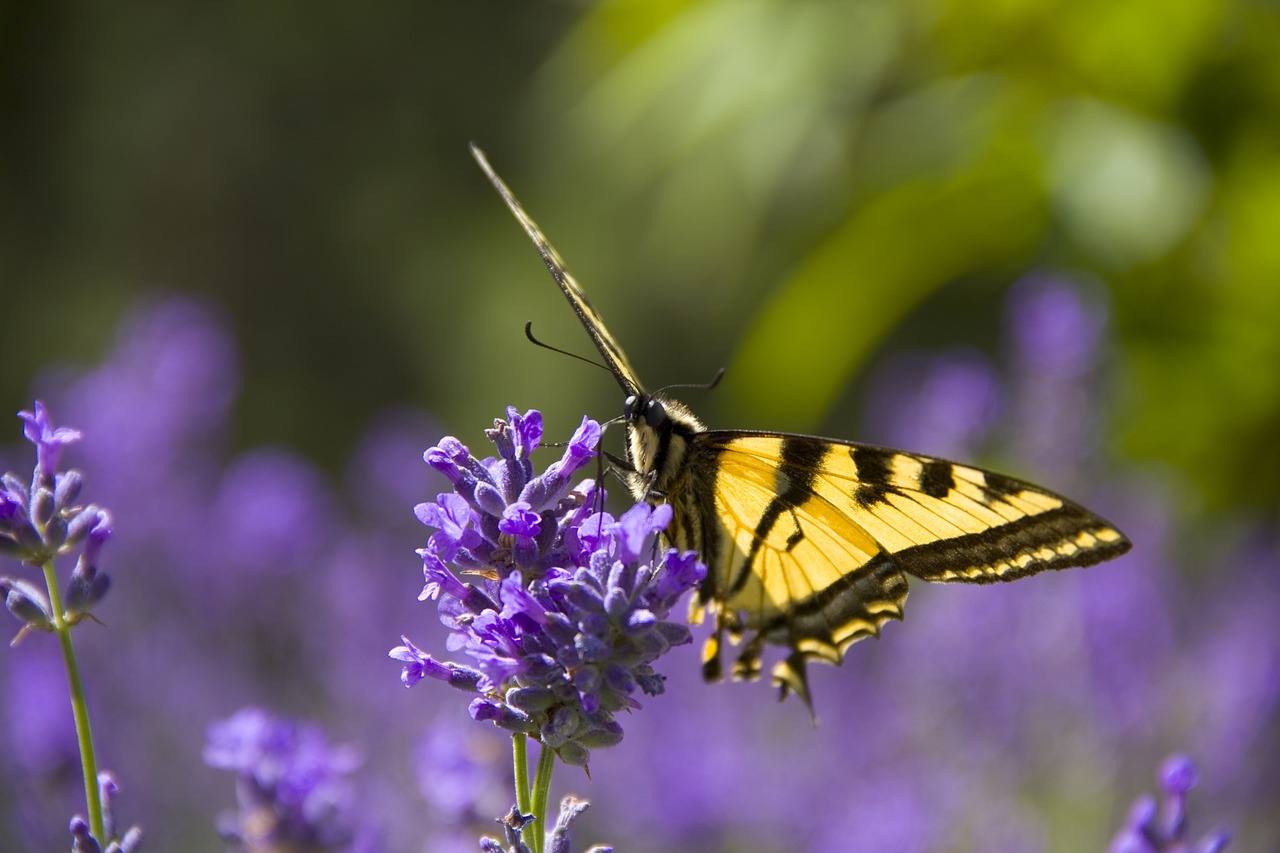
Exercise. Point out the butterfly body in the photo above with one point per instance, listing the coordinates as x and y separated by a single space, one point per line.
809 541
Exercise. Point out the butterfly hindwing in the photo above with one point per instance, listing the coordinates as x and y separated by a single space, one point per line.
808 541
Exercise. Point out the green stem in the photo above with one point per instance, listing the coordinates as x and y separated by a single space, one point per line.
79 707
541 788
520 755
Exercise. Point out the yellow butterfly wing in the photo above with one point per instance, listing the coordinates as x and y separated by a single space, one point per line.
808 540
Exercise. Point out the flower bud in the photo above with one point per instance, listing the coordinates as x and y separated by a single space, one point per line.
67 487
85 589
531 700
574 754
28 603
43 506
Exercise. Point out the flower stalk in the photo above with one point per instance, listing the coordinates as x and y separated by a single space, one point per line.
79 706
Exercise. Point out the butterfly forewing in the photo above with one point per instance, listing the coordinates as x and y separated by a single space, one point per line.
604 341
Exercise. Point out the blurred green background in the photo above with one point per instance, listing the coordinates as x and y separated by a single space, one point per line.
724 177
790 189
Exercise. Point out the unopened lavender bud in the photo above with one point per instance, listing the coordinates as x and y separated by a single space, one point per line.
28 603
30 546
79 525
489 499
574 753
99 533
85 588
531 700
82 841
107 790
67 488
565 722
501 716
601 735
55 535
43 506
130 842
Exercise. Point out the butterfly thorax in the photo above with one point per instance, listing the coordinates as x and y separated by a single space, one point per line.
659 432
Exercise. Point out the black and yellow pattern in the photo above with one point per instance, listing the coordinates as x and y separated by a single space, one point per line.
808 541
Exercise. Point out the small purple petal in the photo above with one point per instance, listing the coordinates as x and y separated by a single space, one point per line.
49 442
1178 774
519 520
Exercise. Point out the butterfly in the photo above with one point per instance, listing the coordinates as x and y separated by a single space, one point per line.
808 541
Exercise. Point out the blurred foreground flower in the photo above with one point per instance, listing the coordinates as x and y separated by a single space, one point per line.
1152 829
291 784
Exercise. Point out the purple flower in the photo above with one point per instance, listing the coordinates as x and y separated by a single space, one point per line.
44 521
500 516
291 783
49 441
1153 829
419 664
943 404
82 841
572 614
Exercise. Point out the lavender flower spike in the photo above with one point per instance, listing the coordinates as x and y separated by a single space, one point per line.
570 606
44 521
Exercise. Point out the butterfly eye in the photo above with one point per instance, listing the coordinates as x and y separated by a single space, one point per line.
654 414
629 407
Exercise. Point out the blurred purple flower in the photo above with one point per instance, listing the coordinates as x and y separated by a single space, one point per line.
82 840
1057 330
944 405
1154 829
291 783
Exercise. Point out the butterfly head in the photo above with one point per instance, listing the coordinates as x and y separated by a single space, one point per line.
659 430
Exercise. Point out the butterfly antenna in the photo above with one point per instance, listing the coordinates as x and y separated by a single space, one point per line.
700 386
528 333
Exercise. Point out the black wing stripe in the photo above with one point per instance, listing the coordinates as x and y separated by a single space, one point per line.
1026 538
801 458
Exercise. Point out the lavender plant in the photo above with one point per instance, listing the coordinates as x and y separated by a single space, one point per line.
39 524
568 612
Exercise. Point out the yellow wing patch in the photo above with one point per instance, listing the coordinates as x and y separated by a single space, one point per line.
809 540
